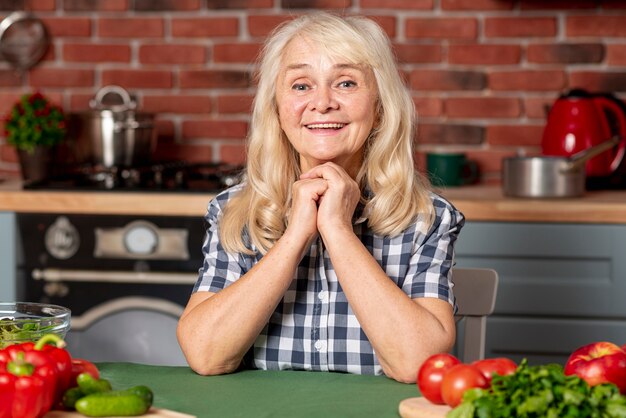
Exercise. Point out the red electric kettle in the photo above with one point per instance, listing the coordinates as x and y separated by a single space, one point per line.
578 120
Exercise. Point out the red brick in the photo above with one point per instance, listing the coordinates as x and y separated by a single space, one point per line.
315 4
89 52
477 5
489 163
398 4
263 25
447 133
239 4
233 154
8 154
476 54
565 53
68 26
598 81
130 27
515 135
55 77
482 107
165 5
418 53
236 52
447 80
527 80
138 78
497 27
441 28
428 106
613 4
94 5
214 79
184 152
215 129
557 4
177 104
205 27
616 54
538 107
80 101
234 103
387 23
9 78
40 5
594 25
7 100
172 54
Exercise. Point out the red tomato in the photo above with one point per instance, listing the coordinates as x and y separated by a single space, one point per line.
500 365
431 374
457 380
79 366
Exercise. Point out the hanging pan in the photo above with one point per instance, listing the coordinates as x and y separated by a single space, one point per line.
23 40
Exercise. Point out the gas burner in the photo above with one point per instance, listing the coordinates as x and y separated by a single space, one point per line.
160 176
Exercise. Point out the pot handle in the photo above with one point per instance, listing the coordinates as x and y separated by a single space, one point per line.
580 158
131 124
127 102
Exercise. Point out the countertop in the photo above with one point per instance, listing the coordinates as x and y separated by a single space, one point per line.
258 393
478 203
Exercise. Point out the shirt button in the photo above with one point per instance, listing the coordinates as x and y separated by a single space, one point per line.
320 345
323 295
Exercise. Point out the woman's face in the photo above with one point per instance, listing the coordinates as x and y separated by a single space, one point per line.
326 106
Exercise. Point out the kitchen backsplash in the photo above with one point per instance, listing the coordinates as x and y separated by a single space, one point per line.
481 71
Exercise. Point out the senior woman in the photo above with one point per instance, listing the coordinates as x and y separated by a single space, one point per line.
333 254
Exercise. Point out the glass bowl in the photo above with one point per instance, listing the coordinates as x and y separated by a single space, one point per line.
25 321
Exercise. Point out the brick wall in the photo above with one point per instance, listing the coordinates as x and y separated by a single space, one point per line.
481 71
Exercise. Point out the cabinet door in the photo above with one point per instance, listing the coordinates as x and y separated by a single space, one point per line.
7 257
561 285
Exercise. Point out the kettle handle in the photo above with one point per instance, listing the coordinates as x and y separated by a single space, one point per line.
615 109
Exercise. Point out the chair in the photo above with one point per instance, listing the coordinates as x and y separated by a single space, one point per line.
475 291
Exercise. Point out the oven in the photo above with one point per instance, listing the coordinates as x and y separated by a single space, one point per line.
125 278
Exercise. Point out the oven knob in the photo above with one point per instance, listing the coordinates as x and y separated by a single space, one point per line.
62 239
141 239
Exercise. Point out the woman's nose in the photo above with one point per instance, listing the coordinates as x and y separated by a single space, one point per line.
323 100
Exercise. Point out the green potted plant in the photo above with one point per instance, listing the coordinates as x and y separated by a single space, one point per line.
34 126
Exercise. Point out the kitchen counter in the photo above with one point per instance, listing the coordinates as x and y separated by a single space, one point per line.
478 203
256 393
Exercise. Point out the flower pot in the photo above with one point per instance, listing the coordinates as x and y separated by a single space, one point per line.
36 165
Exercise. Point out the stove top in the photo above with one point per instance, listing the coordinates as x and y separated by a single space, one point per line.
169 176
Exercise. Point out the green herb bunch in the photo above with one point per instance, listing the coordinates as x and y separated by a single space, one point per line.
541 391
34 121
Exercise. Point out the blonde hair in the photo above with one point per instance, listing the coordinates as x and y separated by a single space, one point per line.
397 193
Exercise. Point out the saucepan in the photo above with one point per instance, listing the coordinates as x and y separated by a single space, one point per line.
549 176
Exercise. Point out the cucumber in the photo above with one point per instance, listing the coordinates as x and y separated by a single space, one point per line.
71 396
122 403
88 384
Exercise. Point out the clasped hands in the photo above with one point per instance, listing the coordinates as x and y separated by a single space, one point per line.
323 201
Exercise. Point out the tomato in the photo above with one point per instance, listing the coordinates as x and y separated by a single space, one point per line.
500 365
457 380
79 366
431 374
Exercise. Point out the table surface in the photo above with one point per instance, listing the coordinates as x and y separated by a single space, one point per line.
260 394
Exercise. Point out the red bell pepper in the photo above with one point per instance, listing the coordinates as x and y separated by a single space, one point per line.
7 393
54 345
25 386
31 367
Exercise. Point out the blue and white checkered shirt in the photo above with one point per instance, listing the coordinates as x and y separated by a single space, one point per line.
314 327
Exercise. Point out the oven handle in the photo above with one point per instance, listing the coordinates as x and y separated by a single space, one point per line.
109 276
98 312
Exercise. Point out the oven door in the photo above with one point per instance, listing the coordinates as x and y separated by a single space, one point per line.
125 279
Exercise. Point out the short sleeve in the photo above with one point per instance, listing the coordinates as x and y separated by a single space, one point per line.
430 266
219 268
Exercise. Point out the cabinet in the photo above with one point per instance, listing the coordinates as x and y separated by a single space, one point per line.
7 257
561 285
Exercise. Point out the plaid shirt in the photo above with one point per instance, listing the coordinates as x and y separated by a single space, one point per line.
314 327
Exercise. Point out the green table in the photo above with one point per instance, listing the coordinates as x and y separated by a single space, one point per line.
259 394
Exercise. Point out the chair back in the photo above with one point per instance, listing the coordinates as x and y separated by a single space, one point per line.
475 291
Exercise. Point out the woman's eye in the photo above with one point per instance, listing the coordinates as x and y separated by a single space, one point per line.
347 84
299 87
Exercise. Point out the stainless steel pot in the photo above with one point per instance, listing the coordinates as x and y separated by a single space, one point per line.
548 176
114 133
